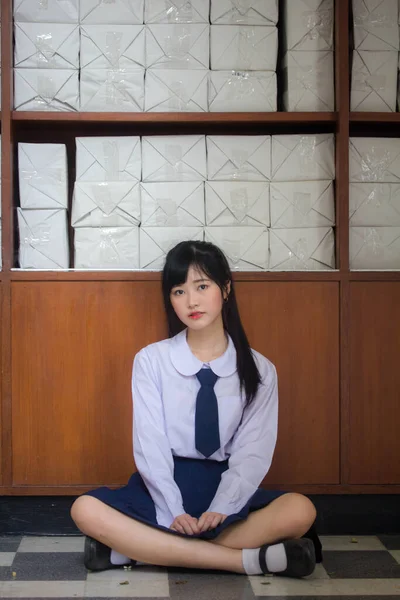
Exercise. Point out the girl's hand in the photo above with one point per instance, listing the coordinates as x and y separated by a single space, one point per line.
185 524
210 520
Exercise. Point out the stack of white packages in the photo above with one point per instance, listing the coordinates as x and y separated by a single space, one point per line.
302 203
244 47
172 200
42 218
237 199
177 55
375 56
46 55
106 203
112 56
374 203
308 58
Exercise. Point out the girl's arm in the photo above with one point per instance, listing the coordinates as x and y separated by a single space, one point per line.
151 448
252 447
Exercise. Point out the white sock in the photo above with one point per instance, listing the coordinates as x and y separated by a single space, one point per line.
275 558
119 559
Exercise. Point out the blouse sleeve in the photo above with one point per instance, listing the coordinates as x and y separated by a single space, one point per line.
151 448
252 448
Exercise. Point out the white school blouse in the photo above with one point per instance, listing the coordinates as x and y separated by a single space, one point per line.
164 390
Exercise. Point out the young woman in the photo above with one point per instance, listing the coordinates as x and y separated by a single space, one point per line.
205 426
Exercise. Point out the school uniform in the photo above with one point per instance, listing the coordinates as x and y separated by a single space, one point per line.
174 477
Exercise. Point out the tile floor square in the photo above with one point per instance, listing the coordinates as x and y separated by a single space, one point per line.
361 565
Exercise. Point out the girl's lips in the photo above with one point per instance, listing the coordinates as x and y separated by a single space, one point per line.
196 315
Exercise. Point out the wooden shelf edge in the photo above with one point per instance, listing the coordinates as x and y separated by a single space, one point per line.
184 118
375 117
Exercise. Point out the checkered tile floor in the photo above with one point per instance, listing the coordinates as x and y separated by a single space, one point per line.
51 567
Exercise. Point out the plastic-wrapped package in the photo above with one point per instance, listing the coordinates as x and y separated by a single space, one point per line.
106 204
46 89
170 90
308 24
306 249
303 157
235 203
244 12
43 239
246 248
179 46
46 46
155 242
374 81
174 158
108 158
302 204
374 248
117 12
112 90
374 204
112 47
374 159
43 176
242 91
375 25
107 248
172 204
44 11
243 48
177 11
239 158
308 81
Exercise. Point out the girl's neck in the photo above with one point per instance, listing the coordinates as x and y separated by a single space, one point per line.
209 343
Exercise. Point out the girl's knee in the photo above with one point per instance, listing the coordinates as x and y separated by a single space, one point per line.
84 511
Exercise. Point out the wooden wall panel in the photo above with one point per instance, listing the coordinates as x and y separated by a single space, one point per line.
296 326
374 448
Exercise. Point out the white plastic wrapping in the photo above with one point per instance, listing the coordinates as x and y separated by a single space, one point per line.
303 157
172 204
246 248
107 248
112 46
374 159
244 12
302 204
169 90
108 158
46 11
128 12
174 158
308 24
242 91
237 203
177 11
374 204
375 25
374 248
311 249
179 46
46 89
43 239
155 242
308 81
46 46
239 158
243 48
43 177
374 81
106 204
112 90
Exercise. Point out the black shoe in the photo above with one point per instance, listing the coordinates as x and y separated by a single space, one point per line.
300 555
97 556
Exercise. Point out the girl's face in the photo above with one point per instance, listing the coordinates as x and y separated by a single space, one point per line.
197 302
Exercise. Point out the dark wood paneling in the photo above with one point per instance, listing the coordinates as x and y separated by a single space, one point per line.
374 416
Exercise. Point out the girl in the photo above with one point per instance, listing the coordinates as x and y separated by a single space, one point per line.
205 428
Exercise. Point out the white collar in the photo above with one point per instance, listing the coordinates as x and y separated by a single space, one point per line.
186 363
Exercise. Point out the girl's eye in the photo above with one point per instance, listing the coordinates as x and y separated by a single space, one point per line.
203 286
177 292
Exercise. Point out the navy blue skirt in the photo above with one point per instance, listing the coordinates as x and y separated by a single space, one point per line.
198 480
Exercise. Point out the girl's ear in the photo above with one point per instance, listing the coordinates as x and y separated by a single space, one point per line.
227 290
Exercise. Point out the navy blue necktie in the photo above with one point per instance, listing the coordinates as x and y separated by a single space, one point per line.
206 421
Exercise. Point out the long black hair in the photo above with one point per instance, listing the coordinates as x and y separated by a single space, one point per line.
211 261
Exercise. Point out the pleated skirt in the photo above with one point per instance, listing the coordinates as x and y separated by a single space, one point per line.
198 481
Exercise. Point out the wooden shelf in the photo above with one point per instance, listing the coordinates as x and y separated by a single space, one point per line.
184 118
375 117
